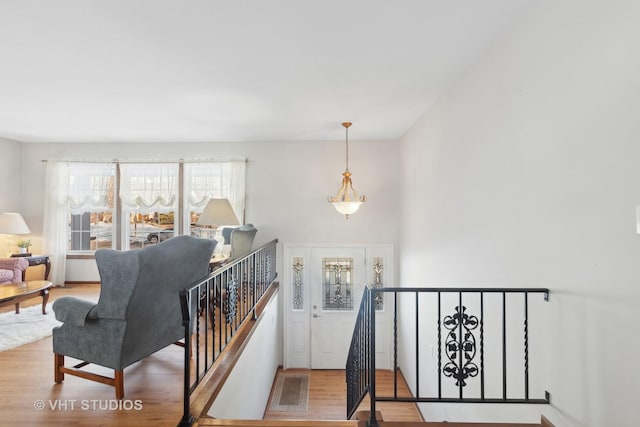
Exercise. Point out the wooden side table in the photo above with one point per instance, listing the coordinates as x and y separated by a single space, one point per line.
35 260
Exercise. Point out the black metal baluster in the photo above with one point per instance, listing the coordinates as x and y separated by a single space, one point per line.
223 320
395 344
240 295
238 281
460 346
417 348
504 345
185 300
364 355
244 286
439 346
206 320
254 285
372 357
526 345
482 345
197 345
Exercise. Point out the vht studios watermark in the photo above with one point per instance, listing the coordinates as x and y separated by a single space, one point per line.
88 405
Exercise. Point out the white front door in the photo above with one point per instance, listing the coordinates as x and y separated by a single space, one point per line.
319 315
336 284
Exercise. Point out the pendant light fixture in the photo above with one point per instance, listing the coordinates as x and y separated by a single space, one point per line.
347 201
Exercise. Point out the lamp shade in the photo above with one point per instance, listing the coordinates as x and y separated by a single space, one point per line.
218 212
12 223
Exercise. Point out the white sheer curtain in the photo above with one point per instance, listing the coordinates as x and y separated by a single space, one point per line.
72 187
149 185
204 181
56 219
91 187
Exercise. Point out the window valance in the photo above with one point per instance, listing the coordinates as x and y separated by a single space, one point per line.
145 186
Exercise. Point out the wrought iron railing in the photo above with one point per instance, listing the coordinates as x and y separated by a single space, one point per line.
214 309
360 368
461 338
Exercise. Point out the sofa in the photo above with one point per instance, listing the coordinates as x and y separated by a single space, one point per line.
11 269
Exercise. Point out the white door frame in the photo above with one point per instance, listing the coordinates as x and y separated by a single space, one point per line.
297 323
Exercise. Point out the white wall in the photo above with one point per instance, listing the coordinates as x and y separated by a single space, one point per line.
11 189
287 186
251 379
10 175
526 174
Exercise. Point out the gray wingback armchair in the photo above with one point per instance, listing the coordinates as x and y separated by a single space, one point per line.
242 240
138 311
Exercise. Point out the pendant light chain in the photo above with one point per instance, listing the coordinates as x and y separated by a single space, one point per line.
347 147
347 125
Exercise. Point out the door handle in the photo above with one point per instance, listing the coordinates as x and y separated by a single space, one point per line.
315 315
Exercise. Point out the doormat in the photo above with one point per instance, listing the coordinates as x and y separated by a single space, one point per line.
291 393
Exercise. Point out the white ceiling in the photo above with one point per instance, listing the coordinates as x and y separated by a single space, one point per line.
234 70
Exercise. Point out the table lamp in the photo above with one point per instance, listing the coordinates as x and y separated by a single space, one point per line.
218 212
12 223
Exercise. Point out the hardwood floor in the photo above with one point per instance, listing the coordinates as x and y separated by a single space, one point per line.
153 387
327 398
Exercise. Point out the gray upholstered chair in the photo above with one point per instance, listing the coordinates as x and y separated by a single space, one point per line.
242 240
226 234
138 312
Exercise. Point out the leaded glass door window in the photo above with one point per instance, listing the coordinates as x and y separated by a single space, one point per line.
337 285
337 279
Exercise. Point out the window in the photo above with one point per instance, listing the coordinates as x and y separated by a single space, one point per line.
154 201
149 194
91 206
204 181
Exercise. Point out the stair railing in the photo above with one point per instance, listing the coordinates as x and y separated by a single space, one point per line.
360 368
460 337
214 308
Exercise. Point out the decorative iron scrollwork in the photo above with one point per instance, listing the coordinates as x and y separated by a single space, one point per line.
231 300
245 288
460 348
267 268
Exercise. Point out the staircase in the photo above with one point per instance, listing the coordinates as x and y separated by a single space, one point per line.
361 421
461 332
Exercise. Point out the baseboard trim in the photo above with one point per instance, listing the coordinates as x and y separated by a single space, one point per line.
83 282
